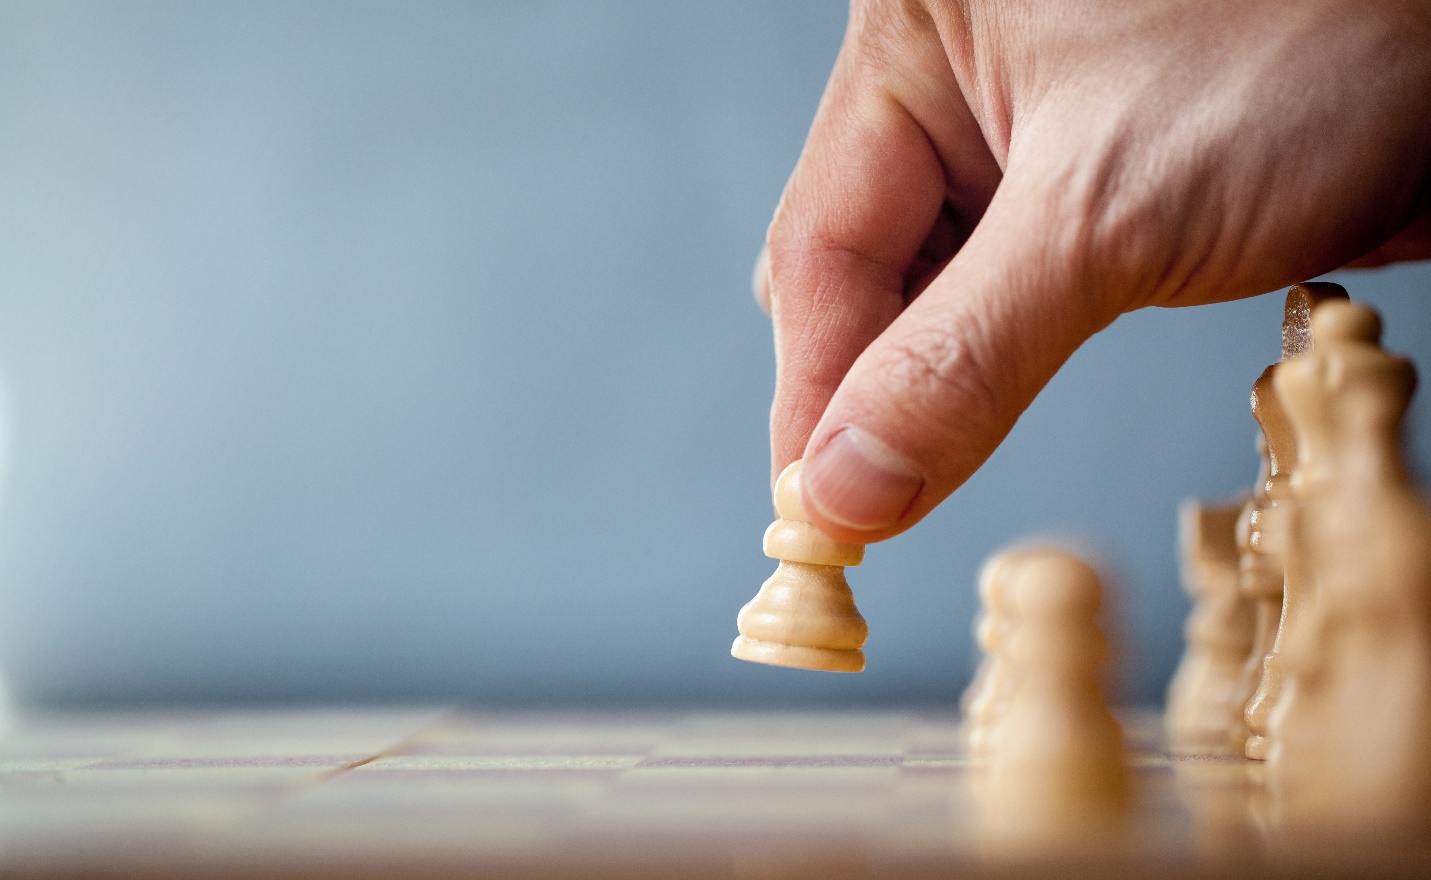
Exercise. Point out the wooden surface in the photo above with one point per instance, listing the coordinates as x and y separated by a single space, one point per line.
458 793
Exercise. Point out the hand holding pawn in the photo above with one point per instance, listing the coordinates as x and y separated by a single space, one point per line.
804 615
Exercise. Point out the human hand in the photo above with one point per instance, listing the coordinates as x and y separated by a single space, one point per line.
987 184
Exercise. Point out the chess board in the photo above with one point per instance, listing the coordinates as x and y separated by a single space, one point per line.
447 793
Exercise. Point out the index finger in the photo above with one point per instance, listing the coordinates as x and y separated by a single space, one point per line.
862 199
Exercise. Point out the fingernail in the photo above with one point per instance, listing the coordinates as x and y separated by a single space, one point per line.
860 483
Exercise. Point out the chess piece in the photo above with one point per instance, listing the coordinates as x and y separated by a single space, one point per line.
1271 523
1350 738
1056 768
983 702
1204 695
1260 582
991 621
804 615
1264 567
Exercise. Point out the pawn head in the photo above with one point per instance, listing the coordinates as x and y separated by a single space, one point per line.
1055 584
1345 321
787 493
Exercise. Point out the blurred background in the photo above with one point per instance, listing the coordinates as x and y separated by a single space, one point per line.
405 352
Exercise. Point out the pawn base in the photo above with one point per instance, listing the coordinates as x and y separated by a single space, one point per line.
798 656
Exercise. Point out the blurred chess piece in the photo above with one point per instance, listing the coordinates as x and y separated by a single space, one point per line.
1260 582
1271 523
1055 775
983 702
1204 696
1350 739
804 615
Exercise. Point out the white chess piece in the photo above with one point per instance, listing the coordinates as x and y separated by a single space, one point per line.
1056 766
1350 738
1205 695
1260 582
985 699
804 614
1272 523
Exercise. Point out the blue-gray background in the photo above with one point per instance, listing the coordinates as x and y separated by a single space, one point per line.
405 351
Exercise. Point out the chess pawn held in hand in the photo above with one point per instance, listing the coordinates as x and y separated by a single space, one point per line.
804 615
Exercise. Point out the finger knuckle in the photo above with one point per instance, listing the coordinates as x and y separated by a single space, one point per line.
942 377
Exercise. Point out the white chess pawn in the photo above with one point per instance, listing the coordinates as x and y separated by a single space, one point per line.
804 615
983 702
1056 767
1205 694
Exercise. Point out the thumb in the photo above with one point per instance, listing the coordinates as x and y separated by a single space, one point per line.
929 400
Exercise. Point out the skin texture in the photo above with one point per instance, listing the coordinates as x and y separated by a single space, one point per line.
988 184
